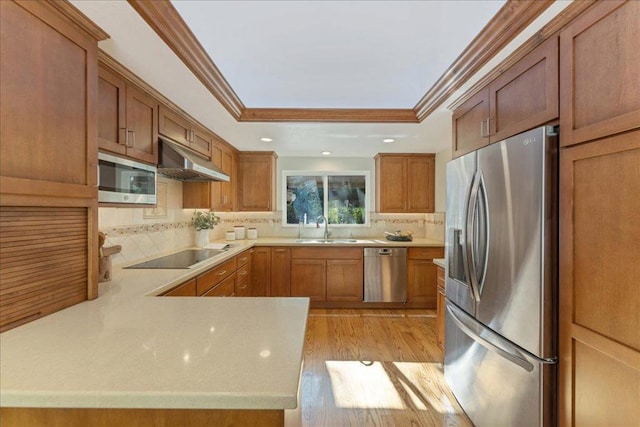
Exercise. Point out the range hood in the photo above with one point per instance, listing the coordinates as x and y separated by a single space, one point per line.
176 162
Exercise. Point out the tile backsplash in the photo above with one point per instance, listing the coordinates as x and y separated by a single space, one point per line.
143 235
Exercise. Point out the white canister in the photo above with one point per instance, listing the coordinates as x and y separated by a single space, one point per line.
252 233
239 230
231 235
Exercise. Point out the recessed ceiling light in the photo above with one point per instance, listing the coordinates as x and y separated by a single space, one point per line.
388 140
266 139
326 153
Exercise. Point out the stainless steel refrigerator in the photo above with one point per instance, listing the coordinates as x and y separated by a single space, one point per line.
501 283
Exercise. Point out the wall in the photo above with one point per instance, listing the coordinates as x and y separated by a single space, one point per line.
442 157
143 233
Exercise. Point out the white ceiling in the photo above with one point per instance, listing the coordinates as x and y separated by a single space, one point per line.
334 54
134 44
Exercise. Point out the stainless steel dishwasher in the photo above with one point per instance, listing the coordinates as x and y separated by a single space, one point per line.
385 274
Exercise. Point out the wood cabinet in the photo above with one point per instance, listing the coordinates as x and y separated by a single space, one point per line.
521 98
180 129
280 272
226 288
599 342
440 307
422 277
405 183
327 274
207 281
127 118
243 274
600 71
223 193
261 272
48 159
218 196
308 279
256 181
469 121
187 289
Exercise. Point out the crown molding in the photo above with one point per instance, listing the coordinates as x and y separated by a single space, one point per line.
165 20
510 20
551 29
78 18
328 115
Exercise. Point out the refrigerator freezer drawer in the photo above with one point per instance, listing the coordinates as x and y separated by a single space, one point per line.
495 382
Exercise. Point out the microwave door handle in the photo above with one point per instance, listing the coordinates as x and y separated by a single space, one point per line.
472 208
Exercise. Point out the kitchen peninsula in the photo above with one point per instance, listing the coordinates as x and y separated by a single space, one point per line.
130 354
133 358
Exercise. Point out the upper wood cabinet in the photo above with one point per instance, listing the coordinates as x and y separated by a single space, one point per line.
256 181
48 159
127 118
521 98
599 342
469 121
180 129
600 73
218 196
223 193
405 183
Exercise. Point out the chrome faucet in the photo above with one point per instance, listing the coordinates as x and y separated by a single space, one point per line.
326 225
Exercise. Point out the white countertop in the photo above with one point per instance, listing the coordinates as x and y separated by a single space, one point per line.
128 349
440 262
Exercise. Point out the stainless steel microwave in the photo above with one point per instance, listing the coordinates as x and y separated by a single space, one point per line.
125 181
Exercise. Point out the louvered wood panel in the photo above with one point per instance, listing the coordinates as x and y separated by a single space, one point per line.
43 261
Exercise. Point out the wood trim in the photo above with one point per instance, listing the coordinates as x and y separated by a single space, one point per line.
140 417
328 115
76 17
31 187
616 351
549 30
510 20
165 20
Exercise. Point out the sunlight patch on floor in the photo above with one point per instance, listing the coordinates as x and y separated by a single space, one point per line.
362 385
388 385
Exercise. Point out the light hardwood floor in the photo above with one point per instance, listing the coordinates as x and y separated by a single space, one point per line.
375 368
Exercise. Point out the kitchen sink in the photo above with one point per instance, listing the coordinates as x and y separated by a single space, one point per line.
332 241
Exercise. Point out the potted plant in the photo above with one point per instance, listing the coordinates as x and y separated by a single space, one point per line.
203 222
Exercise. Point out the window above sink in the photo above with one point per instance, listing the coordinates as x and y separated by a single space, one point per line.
340 196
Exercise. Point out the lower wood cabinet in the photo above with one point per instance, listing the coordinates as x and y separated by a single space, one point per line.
440 305
226 288
280 272
261 272
187 289
327 274
422 277
243 274
308 279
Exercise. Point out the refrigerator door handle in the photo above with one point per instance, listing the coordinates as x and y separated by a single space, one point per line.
468 328
470 241
483 225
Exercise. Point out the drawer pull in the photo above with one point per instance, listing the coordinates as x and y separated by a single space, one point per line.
222 273
243 273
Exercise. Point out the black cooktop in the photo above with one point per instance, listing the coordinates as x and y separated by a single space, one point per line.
182 259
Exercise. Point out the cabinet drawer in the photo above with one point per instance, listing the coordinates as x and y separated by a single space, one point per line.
243 258
426 253
225 289
326 253
184 290
243 286
214 276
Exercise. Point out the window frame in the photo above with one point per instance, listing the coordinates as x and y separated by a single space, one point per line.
325 182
